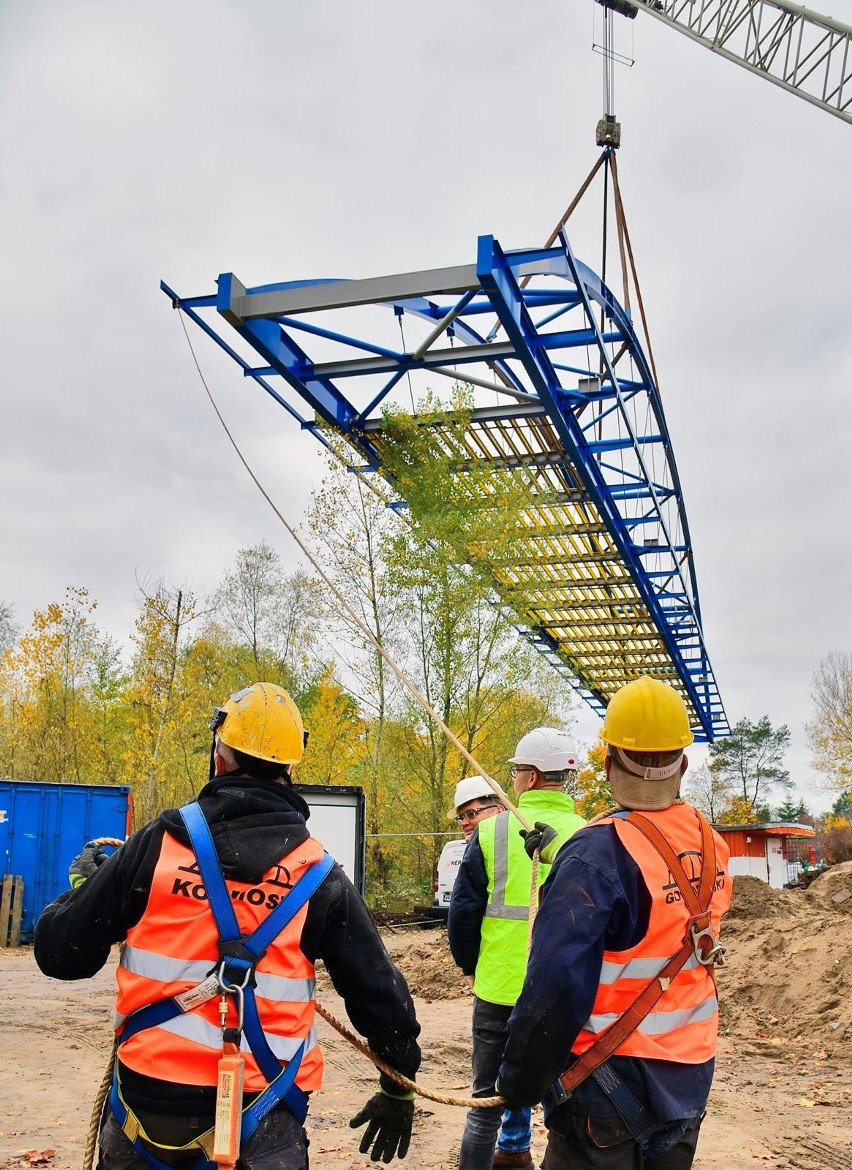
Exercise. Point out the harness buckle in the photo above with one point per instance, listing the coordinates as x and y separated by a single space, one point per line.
237 991
713 953
236 965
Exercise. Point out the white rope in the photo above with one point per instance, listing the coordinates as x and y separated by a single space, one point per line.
362 626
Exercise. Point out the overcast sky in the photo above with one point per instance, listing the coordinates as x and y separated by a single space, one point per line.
284 140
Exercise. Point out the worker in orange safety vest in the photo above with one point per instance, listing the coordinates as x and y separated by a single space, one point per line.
615 1027
225 906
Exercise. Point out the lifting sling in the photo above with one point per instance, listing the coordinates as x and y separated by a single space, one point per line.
233 973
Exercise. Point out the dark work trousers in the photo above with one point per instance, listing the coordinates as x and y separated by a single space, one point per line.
278 1143
605 1143
490 1029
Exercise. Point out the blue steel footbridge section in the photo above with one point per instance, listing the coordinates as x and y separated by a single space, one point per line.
599 569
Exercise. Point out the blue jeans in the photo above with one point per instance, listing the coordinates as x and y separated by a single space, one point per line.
515 1131
490 1030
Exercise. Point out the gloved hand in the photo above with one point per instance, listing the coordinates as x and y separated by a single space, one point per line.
85 864
389 1119
545 839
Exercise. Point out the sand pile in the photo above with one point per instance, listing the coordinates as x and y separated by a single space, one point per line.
424 958
789 969
833 888
427 964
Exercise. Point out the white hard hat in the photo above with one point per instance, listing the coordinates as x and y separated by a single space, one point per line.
547 749
469 789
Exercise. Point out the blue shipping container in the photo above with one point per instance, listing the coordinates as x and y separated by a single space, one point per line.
44 826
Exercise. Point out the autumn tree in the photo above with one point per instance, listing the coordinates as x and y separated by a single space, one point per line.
407 579
751 760
8 628
158 755
739 811
349 520
269 614
45 677
709 789
108 722
830 730
336 734
462 648
591 789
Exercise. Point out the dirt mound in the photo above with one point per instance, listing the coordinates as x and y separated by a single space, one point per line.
424 958
753 898
833 888
427 964
789 965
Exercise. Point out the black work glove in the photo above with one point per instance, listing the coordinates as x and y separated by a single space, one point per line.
389 1121
545 839
85 864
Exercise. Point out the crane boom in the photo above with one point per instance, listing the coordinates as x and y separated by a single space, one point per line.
808 54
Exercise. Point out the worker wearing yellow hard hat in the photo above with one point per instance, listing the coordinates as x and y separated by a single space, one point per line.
637 894
224 906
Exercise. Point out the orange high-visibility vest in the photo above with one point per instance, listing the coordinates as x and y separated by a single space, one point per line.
174 947
684 1022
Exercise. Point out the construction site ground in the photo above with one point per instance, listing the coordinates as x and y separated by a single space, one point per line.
782 1096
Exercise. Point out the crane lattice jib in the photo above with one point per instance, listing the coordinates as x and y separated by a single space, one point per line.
599 568
808 54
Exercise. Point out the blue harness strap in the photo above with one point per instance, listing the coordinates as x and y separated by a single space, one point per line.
237 968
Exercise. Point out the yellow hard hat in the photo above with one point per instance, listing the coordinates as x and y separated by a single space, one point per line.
262 721
647 715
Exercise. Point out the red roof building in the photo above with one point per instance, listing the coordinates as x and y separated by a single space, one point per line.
772 852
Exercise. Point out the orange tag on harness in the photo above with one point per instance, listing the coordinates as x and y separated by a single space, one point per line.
229 1103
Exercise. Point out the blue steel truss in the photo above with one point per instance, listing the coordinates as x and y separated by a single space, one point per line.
601 571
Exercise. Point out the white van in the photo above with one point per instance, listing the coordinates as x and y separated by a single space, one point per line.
445 876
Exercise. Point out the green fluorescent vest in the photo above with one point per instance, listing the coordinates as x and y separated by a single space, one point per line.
503 950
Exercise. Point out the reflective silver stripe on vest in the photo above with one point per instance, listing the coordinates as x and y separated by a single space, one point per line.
168 970
197 1030
497 907
659 1023
639 969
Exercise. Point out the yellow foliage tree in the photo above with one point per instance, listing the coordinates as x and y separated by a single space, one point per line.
163 771
337 736
591 790
740 811
50 725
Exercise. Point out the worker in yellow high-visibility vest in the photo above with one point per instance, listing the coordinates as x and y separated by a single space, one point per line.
488 926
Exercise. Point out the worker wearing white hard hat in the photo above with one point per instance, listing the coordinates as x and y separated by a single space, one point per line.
488 926
473 799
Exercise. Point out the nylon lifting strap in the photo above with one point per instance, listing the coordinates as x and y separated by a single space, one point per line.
699 933
239 956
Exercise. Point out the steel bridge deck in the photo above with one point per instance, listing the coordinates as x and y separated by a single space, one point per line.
599 568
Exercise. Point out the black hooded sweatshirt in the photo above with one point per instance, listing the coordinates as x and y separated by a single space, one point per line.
254 823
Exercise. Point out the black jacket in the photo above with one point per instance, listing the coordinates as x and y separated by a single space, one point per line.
254 824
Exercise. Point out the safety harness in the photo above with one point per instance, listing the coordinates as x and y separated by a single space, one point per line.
232 976
700 942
